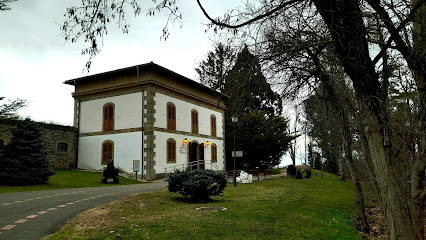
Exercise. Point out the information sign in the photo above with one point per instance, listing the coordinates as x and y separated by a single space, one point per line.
136 165
239 153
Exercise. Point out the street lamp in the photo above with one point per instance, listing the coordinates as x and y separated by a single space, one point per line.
235 120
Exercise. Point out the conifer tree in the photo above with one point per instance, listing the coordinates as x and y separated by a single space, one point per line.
247 87
23 160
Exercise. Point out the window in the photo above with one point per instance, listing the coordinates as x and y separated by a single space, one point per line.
108 120
107 151
214 153
213 125
171 151
171 116
194 121
62 147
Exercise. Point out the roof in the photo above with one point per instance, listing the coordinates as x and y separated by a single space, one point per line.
144 67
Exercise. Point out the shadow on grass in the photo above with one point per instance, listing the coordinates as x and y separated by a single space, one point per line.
191 200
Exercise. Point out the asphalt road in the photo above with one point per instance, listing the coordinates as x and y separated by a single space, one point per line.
33 215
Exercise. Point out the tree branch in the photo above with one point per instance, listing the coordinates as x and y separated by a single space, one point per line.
401 46
266 14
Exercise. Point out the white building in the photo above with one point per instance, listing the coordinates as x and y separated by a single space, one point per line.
151 114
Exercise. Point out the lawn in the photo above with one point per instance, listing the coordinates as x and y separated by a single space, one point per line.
282 208
68 179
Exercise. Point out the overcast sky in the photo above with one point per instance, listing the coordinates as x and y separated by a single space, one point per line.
35 61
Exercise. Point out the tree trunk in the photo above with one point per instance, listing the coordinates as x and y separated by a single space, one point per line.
344 20
418 171
360 203
341 168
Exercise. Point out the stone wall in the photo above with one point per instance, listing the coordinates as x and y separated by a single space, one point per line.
60 142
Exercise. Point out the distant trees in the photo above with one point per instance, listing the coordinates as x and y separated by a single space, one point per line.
247 87
4 4
263 138
215 68
9 110
261 132
23 161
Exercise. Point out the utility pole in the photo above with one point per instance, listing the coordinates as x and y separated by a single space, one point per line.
306 126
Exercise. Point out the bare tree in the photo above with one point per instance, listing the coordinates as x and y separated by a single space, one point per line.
345 23
347 33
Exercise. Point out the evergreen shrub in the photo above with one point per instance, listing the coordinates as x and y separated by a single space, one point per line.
199 185
23 161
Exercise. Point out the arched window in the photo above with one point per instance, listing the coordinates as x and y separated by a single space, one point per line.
107 151
214 153
171 151
108 119
194 121
213 125
62 147
171 116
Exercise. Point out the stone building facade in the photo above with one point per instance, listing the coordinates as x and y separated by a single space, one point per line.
148 114
60 142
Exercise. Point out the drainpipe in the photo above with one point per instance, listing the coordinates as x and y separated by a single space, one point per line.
78 124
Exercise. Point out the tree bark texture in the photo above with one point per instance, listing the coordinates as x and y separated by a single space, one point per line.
341 168
359 202
344 20
418 172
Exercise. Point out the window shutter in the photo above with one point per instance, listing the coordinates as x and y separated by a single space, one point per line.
174 151
171 117
108 119
105 123
214 153
107 152
213 125
194 120
104 154
171 151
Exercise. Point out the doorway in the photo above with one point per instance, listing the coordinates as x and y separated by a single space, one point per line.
196 153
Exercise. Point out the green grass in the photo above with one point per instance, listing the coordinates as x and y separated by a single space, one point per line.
276 170
282 208
68 179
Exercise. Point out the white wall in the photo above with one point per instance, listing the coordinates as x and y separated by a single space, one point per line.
183 115
128 110
127 147
182 158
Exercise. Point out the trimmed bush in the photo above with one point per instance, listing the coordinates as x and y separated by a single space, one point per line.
199 185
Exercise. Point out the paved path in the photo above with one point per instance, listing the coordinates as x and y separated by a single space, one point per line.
33 215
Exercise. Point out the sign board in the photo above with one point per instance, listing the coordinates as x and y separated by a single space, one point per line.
136 165
239 153
182 149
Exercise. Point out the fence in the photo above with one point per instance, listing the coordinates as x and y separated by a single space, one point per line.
191 166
